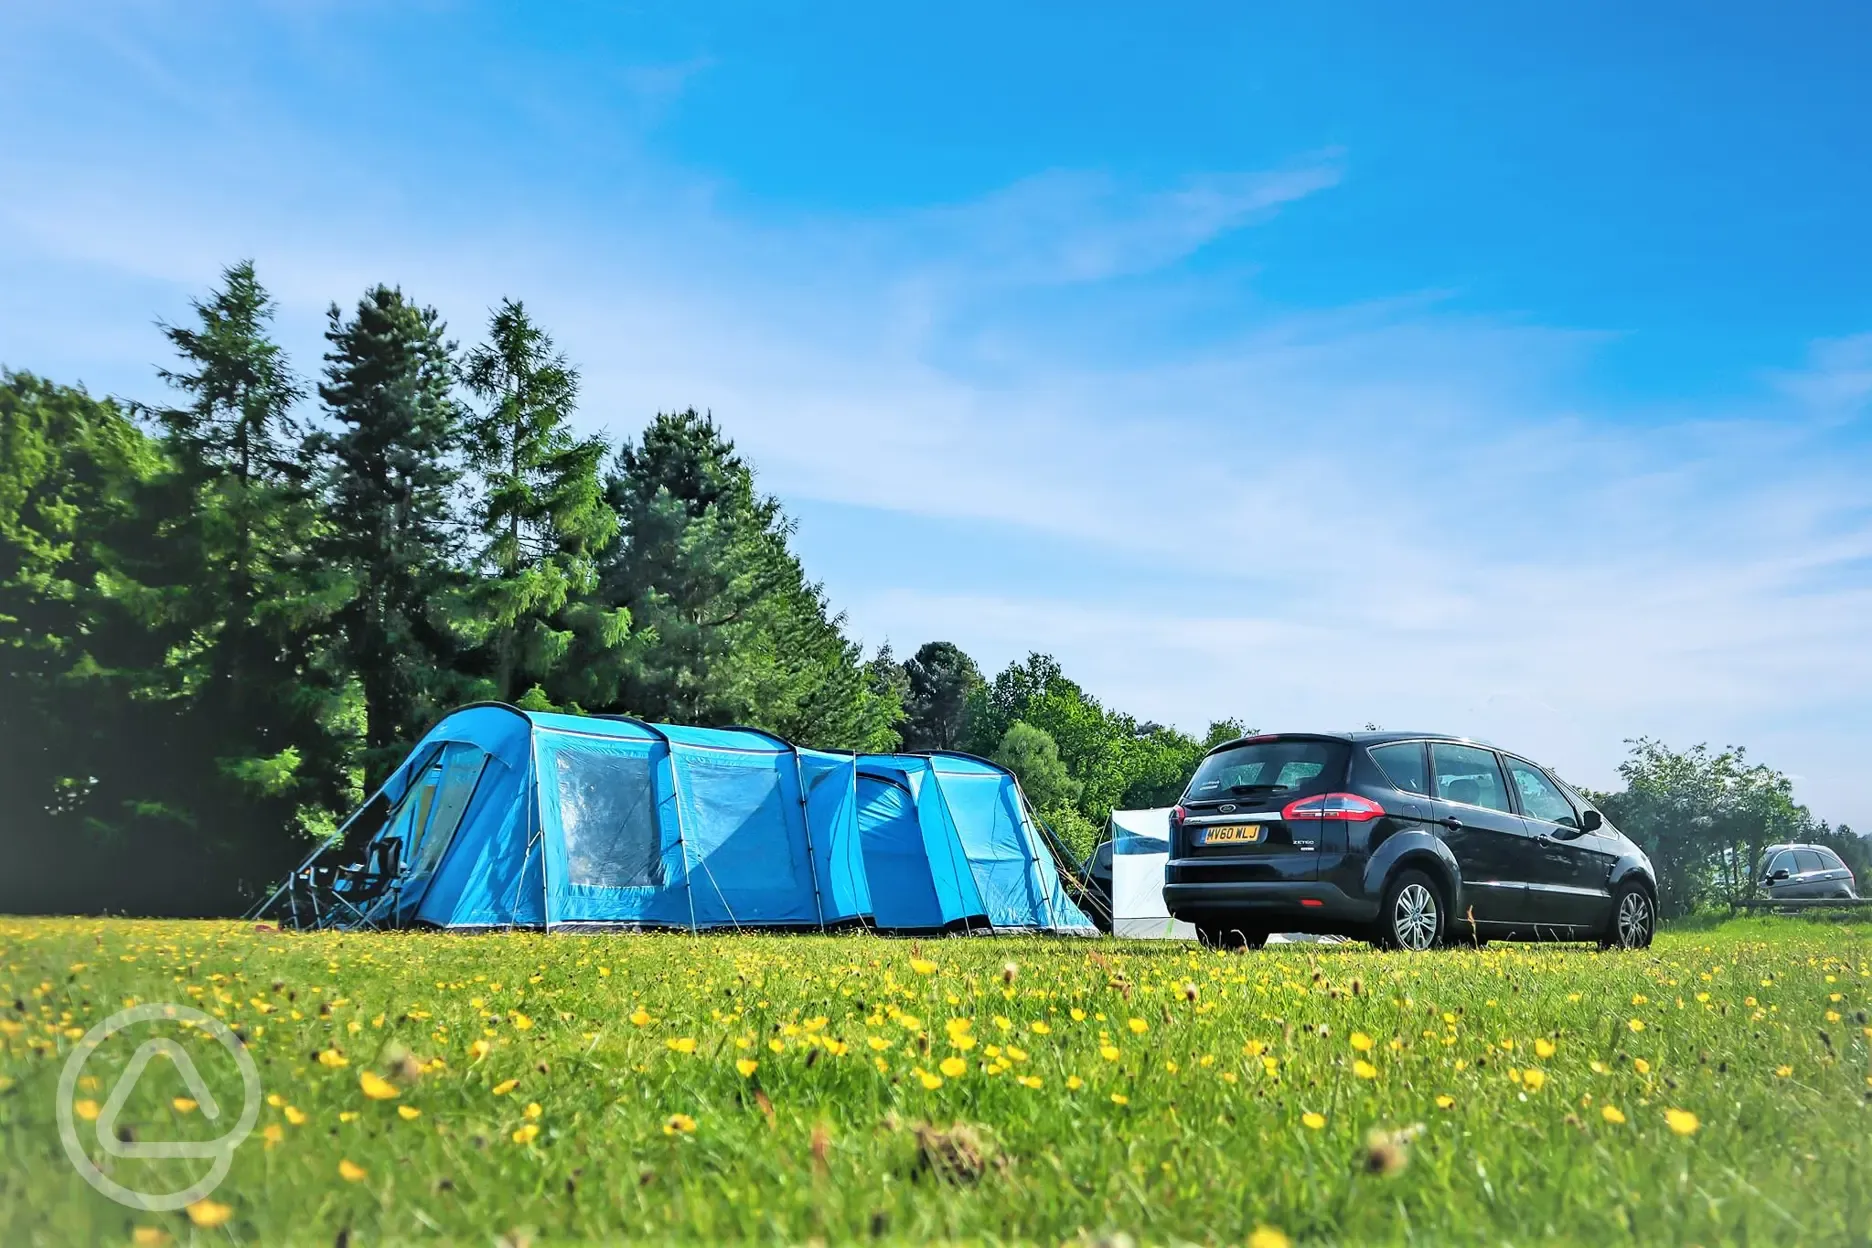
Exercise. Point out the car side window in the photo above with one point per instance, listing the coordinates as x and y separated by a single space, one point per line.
1403 765
1783 861
1809 860
1469 775
1831 859
1539 798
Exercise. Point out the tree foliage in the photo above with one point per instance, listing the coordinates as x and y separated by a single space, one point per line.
939 680
540 515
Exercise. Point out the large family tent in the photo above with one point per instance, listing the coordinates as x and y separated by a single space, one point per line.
508 818
949 842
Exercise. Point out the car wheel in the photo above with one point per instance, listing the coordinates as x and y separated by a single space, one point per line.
1634 919
1412 916
1217 936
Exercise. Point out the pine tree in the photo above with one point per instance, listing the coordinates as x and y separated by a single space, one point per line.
240 523
730 629
940 679
541 513
393 471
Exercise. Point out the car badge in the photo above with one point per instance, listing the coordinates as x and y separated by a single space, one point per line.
1226 807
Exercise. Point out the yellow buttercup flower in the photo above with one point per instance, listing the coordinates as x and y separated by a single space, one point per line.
680 1044
746 1066
408 1112
679 1124
526 1134
1361 1042
208 1214
1682 1121
1445 1102
922 966
350 1171
1138 1026
1544 1048
1612 1115
1364 1069
183 1105
1313 1120
332 1058
954 1067
505 1086
930 1082
376 1086
1268 1237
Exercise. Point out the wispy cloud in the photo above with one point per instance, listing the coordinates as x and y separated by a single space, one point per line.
1838 378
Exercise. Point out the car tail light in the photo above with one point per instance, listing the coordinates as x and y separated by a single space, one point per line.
1344 807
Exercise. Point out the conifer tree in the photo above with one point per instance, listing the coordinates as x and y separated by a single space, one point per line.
541 512
393 468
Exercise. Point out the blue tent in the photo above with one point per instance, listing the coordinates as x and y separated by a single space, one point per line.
949 842
501 817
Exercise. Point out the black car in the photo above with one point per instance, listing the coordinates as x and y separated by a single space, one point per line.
1406 839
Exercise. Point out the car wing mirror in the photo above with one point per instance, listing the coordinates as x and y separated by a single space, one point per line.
1592 821
1781 874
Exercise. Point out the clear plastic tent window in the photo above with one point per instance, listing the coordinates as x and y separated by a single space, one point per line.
607 813
461 771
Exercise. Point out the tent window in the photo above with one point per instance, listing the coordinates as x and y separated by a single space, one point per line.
406 825
460 773
607 813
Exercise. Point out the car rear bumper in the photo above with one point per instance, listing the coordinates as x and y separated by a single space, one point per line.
1277 905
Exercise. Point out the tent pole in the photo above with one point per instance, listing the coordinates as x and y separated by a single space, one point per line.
682 840
857 843
935 778
812 862
1027 815
539 833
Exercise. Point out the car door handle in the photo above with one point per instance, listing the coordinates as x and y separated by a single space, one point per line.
1545 841
1452 823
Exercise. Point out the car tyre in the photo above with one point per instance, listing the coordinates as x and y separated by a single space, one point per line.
1218 936
1413 915
1634 919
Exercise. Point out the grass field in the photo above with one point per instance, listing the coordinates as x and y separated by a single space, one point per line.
447 1088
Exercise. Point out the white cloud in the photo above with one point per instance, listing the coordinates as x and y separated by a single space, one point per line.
1838 378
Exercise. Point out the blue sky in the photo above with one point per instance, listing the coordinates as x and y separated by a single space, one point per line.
1462 367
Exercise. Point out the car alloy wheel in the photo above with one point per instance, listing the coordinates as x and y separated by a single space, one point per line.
1634 920
1414 917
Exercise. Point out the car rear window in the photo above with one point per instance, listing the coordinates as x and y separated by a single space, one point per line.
1289 766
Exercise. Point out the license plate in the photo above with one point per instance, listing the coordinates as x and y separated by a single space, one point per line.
1246 834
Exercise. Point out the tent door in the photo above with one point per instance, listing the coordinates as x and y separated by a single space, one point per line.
903 892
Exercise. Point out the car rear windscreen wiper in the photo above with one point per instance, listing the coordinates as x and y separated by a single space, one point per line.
1240 789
